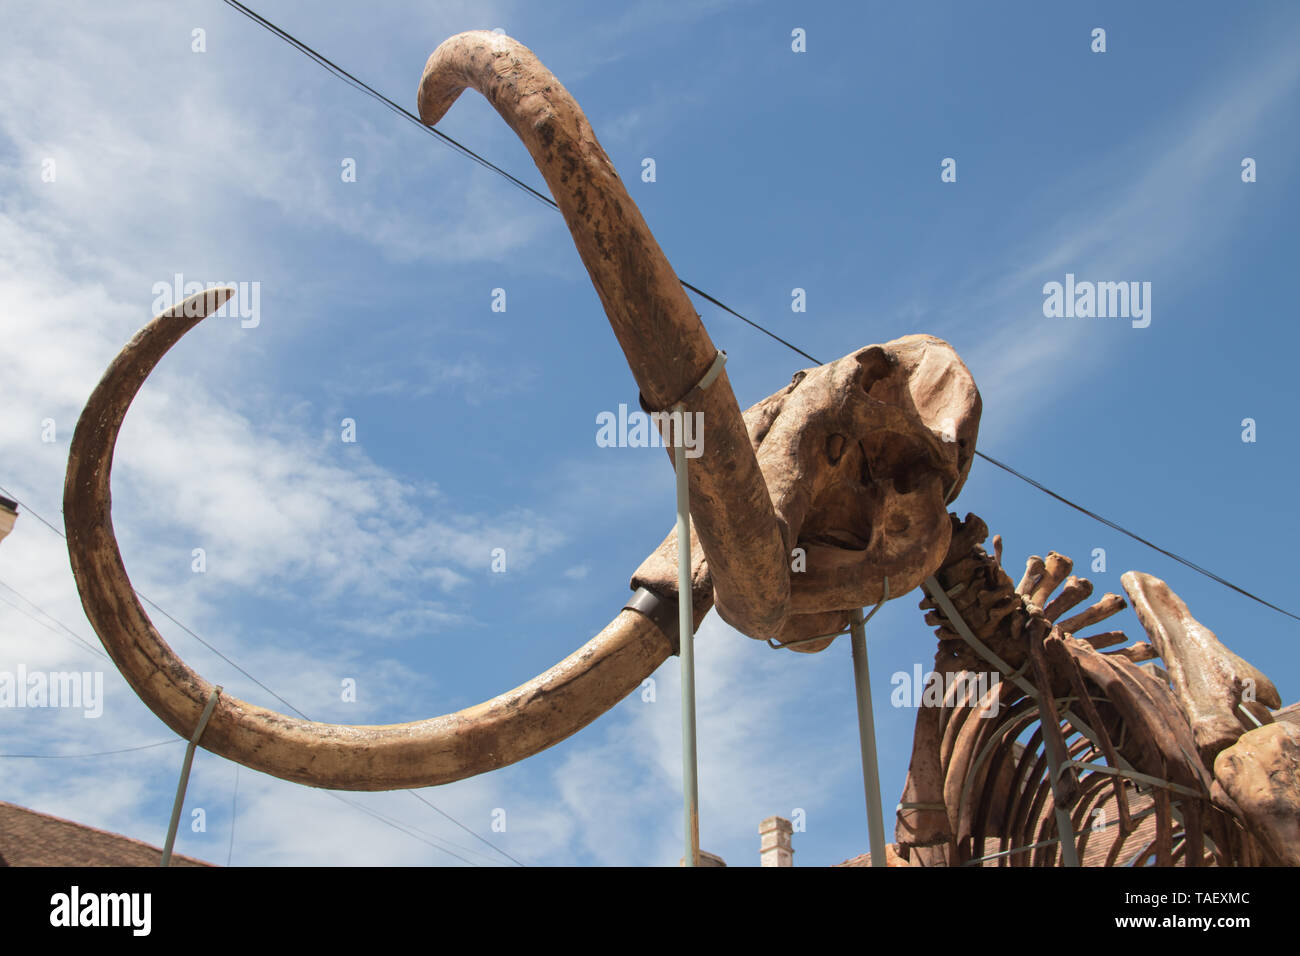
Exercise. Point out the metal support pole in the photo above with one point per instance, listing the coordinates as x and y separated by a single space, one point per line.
1065 831
686 641
1064 828
867 733
185 777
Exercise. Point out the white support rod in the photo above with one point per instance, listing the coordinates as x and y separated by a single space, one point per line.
686 642
867 738
179 802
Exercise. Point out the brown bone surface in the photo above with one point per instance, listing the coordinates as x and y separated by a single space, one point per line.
860 457
979 789
1261 774
1209 680
854 462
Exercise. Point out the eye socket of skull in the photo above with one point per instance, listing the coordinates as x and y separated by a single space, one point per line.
898 459
923 378
859 456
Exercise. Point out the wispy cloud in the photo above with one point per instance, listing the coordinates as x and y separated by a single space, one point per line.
1147 227
327 561
275 509
761 751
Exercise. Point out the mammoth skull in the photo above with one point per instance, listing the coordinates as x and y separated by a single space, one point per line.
854 463
860 457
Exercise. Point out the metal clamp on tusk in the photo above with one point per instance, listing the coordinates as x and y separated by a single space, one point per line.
708 379
662 612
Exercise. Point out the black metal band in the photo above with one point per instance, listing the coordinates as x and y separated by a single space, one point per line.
662 612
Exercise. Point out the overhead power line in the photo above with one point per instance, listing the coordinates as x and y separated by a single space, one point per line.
1153 546
28 509
438 841
155 606
370 91
234 814
388 821
102 753
65 632
469 153
397 826
388 103
444 813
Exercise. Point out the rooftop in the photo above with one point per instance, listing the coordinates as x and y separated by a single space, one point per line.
28 838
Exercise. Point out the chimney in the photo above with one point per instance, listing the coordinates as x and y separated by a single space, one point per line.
8 513
774 847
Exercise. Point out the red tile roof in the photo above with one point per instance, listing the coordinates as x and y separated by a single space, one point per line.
28 838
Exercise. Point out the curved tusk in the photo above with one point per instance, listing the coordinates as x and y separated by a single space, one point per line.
665 343
497 732
668 351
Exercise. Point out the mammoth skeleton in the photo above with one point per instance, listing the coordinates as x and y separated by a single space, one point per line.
854 462
1186 764
852 466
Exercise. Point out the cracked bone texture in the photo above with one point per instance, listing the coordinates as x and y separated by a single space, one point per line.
860 457
988 791
1261 774
908 411
1209 680
979 786
912 420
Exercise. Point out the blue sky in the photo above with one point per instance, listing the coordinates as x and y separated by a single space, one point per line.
476 429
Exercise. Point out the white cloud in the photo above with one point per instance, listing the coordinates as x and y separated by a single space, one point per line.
278 510
163 177
761 751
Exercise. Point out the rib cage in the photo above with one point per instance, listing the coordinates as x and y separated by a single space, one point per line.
979 787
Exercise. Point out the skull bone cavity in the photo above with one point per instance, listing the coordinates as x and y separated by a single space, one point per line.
861 457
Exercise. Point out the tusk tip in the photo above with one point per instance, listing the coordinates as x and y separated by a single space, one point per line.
200 305
444 74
